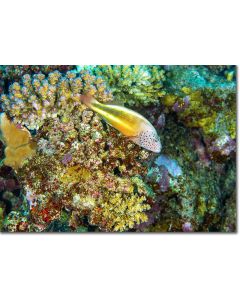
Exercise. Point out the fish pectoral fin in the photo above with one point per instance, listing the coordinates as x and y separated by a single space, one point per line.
106 121
134 138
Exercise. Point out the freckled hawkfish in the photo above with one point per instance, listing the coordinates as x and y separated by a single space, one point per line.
130 123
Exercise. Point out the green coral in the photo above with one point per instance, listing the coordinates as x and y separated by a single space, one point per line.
133 85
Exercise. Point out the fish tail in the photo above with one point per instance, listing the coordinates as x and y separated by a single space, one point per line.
88 100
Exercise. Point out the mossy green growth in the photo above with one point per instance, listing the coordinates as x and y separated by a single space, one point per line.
82 229
64 216
215 116
169 100
198 196
211 97
142 187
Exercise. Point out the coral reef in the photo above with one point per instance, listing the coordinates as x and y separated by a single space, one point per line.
70 157
64 169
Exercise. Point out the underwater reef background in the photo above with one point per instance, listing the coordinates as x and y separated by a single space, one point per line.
64 169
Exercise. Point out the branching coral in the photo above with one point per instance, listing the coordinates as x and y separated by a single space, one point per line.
120 213
40 97
15 72
133 85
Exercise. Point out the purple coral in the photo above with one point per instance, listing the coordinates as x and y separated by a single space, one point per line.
161 121
67 159
224 146
152 214
8 184
31 198
187 227
181 106
160 176
200 148
164 181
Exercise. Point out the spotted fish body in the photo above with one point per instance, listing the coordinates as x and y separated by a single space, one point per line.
128 122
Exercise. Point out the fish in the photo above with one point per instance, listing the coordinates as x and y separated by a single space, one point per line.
130 123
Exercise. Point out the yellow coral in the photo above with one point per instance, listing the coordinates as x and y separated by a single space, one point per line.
18 141
202 115
201 206
186 90
169 100
230 76
120 213
75 174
